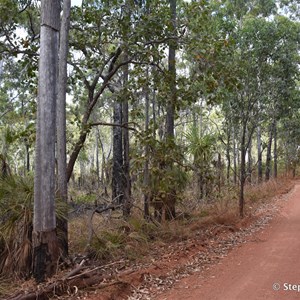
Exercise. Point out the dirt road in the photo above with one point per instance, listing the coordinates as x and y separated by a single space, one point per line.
266 267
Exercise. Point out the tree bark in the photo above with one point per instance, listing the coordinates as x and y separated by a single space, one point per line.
170 210
146 167
62 184
235 169
45 242
275 149
249 167
269 154
228 156
242 171
117 169
97 137
126 158
259 155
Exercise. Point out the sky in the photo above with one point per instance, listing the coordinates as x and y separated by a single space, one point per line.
76 2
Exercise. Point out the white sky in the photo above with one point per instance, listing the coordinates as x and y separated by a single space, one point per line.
76 2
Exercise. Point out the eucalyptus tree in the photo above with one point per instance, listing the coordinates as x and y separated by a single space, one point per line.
62 188
286 73
98 60
45 242
170 200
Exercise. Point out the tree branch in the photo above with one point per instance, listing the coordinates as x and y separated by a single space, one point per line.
125 125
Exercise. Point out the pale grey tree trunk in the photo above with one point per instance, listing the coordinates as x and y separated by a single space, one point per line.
45 242
62 185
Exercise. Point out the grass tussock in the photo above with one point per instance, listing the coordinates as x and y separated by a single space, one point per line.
16 224
16 206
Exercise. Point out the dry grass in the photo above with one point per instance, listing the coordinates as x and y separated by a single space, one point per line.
267 190
113 238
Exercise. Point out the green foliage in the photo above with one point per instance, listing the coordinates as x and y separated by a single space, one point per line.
201 147
203 150
166 172
85 198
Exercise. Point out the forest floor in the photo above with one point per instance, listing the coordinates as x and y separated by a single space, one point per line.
226 259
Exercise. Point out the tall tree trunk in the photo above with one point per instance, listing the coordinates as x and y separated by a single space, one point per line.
62 185
146 167
117 169
259 155
219 172
126 159
103 160
269 154
242 171
170 212
45 242
154 112
275 149
27 151
97 137
228 156
249 171
235 169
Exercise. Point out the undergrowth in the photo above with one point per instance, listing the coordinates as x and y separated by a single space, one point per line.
106 237
109 239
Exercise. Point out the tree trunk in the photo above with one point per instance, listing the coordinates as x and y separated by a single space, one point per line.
234 157
249 171
242 171
27 151
275 149
126 158
45 242
146 167
117 169
97 137
62 185
269 154
259 156
219 172
154 113
228 156
170 212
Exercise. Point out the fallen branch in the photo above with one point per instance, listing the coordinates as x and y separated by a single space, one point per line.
75 271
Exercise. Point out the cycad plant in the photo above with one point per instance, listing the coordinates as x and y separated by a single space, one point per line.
202 148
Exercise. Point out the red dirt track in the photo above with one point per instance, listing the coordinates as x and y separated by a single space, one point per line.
250 271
